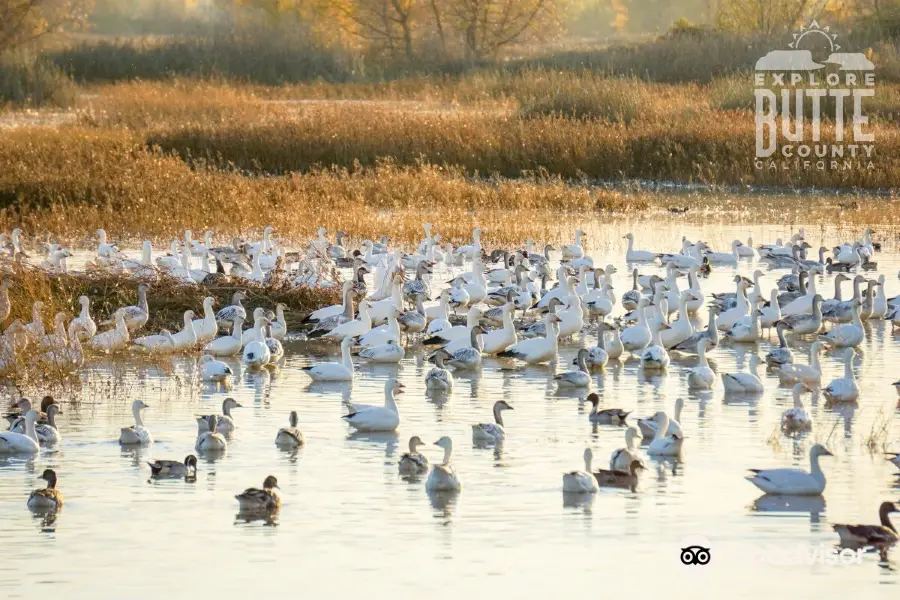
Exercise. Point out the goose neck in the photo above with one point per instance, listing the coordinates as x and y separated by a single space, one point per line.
136 410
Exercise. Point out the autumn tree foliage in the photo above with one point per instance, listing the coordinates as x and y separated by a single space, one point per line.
23 21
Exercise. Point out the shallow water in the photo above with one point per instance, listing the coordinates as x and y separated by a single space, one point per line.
351 525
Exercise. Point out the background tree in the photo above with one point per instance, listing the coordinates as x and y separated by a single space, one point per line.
23 21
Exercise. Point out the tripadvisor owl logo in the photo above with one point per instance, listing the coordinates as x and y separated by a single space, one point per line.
809 105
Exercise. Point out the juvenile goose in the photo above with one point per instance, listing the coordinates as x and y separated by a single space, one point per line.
413 462
211 440
224 422
136 316
579 378
467 357
260 500
439 378
794 482
444 477
844 389
228 314
48 498
879 536
581 482
782 355
136 434
492 432
173 468
796 419
621 458
607 416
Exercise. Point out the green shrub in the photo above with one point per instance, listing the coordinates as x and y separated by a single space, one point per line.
28 81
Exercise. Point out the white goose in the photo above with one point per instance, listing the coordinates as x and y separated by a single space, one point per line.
257 353
186 339
848 335
136 434
637 336
224 422
21 443
228 345
161 343
214 370
499 340
491 432
388 352
576 250
701 377
844 389
112 339
84 321
744 383
333 371
210 440
205 329
537 350
796 419
649 427
810 374
580 378
620 460
669 444
352 329
632 255
444 477
581 482
655 357
439 378
364 417
793 482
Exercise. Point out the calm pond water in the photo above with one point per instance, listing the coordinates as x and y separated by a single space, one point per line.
351 525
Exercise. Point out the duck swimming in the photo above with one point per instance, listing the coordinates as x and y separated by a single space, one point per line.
290 436
413 463
48 498
260 500
172 468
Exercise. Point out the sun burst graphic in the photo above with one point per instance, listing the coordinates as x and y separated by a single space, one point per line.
814 29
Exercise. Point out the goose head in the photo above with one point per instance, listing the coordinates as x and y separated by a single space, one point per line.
394 386
230 403
500 405
139 405
819 450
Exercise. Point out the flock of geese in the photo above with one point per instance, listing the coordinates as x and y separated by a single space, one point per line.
475 316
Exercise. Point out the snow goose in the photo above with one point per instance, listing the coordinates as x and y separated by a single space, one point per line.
205 329
580 378
105 248
173 468
537 350
880 303
332 311
438 317
21 443
444 477
846 336
838 310
638 336
669 444
597 356
565 288
380 311
576 250
211 440
35 329
701 377
214 370
256 353
744 383
499 340
84 321
226 316
631 298
388 352
457 332
782 355
48 433
654 357
741 309
364 417
470 251
711 335
649 427
186 339
255 500
228 345
746 250
136 434
581 482
224 422
136 316
682 328
290 436
333 371
793 482
46 499
745 332
413 462
110 340
803 304
413 321
805 323
417 288
620 459
439 378
844 389
632 255
796 419
730 258
878 536
384 333
354 328
469 356
607 416
491 432
810 374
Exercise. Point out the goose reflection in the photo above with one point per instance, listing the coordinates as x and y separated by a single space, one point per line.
814 505
135 453
438 398
578 500
377 438
443 504
46 519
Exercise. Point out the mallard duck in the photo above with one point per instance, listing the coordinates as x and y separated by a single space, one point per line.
265 499
48 498
290 436
581 482
443 477
607 416
136 434
224 421
211 440
492 432
174 469
796 419
879 536
414 463
439 378
620 479
795 482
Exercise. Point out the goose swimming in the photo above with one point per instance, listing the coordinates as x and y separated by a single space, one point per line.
291 436
669 444
224 422
810 374
796 419
136 434
365 417
620 459
701 377
782 355
388 352
607 416
620 479
492 432
444 477
844 389
744 383
879 536
333 371
211 440
439 378
214 370
21 443
794 482
579 378
581 482
228 345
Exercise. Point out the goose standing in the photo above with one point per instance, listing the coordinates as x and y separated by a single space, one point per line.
224 422
364 417
796 419
621 458
701 377
744 383
880 304
186 339
794 482
352 329
439 378
333 371
413 462
48 498
498 340
136 434
21 443
173 468
581 482
878 536
492 432
444 477
227 315
260 500
290 436
844 389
